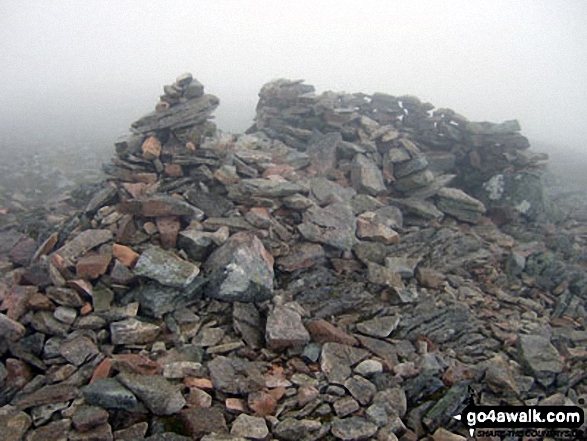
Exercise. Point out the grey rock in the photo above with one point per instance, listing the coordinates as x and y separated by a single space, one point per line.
402 266
274 187
379 326
322 152
223 374
366 176
540 357
336 360
390 216
406 168
14 423
367 368
345 406
419 207
166 268
212 205
11 329
83 243
285 329
414 181
363 202
459 204
241 270
78 350
158 394
353 428
247 322
327 192
133 331
361 389
197 244
333 225
292 429
249 427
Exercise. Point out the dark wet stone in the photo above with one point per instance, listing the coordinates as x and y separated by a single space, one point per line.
247 322
157 393
241 270
157 300
110 394
211 204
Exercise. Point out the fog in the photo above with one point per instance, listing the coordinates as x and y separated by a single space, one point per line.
75 70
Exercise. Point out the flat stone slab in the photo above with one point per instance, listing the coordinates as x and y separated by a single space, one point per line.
159 395
166 268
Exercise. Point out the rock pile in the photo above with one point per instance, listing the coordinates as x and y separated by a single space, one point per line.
315 278
418 148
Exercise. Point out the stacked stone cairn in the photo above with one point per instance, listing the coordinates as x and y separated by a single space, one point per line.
335 273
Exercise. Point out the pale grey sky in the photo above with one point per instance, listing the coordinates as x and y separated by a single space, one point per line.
98 64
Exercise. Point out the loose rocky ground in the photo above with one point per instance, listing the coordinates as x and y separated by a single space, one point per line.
352 268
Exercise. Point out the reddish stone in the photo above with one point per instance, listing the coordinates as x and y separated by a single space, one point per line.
18 373
151 148
102 371
235 405
86 309
200 383
199 398
322 332
262 403
135 363
304 255
15 303
46 246
23 251
173 170
40 302
92 267
125 255
168 227
136 189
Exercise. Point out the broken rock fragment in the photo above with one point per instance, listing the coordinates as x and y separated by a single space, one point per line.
241 270
166 268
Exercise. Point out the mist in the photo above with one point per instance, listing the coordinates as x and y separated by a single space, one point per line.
84 70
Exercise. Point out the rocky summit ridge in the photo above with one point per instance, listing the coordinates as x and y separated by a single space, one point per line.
349 268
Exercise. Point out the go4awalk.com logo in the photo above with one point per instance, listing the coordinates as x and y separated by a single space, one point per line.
559 422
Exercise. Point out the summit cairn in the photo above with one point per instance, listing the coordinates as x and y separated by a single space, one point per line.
353 267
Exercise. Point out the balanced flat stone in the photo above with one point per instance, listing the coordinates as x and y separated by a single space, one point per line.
166 268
